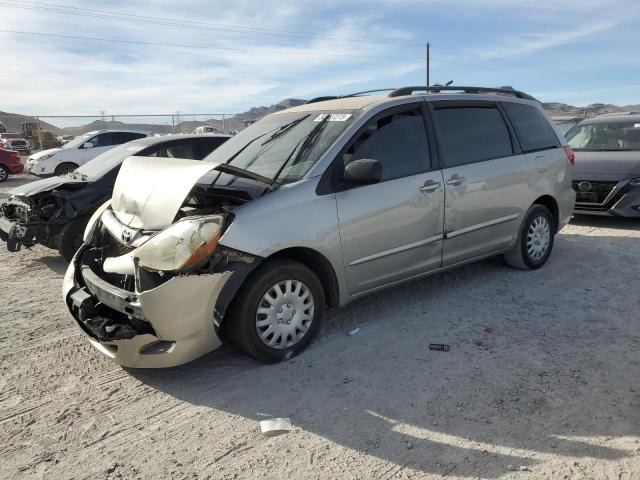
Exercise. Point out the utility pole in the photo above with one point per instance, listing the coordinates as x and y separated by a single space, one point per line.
428 52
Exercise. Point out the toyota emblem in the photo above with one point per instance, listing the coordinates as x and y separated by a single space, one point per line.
126 236
585 186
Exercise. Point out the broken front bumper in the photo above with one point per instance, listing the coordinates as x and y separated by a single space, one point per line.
14 234
170 324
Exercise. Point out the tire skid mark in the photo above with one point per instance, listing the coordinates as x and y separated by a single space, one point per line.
22 412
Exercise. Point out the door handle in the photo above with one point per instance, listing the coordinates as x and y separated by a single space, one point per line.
430 186
455 180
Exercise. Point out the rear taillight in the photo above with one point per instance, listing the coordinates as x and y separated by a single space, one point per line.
570 155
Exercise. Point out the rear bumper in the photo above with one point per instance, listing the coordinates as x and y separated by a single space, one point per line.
179 315
566 203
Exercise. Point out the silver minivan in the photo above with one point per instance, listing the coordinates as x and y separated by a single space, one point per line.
310 208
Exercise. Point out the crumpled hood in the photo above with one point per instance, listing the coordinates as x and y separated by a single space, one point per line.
43 185
149 191
37 156
614 164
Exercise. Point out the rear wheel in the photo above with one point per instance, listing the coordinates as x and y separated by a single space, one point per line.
65 168
277 312
4 173
71 238
535 240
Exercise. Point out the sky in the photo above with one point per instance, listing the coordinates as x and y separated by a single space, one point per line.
225 57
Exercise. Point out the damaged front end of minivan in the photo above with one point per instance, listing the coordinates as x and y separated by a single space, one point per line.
151 283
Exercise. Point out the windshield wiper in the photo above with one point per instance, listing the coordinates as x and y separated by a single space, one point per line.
303 144
284 129
241 172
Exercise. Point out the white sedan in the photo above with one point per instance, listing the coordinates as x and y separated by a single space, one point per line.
58 161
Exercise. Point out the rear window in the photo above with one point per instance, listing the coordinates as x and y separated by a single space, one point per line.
471 134
533 129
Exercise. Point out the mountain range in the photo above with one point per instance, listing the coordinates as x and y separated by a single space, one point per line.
13 121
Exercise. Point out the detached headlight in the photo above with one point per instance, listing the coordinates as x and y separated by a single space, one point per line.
635 182
181 246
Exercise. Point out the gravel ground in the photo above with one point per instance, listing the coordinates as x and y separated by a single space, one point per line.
542 381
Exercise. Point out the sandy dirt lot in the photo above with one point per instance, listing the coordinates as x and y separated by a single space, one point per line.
542 381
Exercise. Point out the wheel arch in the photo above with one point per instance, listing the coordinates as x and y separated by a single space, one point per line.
320 265
550 203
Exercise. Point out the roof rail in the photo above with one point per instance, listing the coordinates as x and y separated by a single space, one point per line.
356 94
321 99
454 88
617 113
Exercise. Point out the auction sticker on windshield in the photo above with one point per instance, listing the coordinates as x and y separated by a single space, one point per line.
333 117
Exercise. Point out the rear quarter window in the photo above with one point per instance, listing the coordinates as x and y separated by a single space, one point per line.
533 129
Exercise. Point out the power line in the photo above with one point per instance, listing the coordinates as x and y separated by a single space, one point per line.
163 21
201 47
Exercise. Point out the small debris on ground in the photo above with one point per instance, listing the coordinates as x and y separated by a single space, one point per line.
489 330
440 347
355 331
275 426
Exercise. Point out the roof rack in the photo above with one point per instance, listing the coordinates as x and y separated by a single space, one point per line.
356 94
616 114
454 88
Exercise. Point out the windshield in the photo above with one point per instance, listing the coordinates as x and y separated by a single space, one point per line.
104 163
79 140
565 125
284 146
614 136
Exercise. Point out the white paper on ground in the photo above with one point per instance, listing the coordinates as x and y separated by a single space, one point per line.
275 426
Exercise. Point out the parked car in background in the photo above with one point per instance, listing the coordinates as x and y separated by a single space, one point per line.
205 129
58 161
564 124
64 139
607 171
14 141
54 211
309 209
10 163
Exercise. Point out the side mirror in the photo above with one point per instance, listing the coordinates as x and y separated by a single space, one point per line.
363 172
87 145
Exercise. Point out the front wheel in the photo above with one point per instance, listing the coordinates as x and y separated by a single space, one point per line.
71 238
65 168
535 240
277 312
4 173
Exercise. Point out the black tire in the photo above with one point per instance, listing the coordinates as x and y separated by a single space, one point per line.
242 316
520 256
70 239
65 168
4 173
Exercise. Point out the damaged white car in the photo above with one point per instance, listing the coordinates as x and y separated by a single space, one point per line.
308 209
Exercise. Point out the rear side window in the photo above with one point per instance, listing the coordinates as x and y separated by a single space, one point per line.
533 129
209 144
471 134
177 150
397 141
124 137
